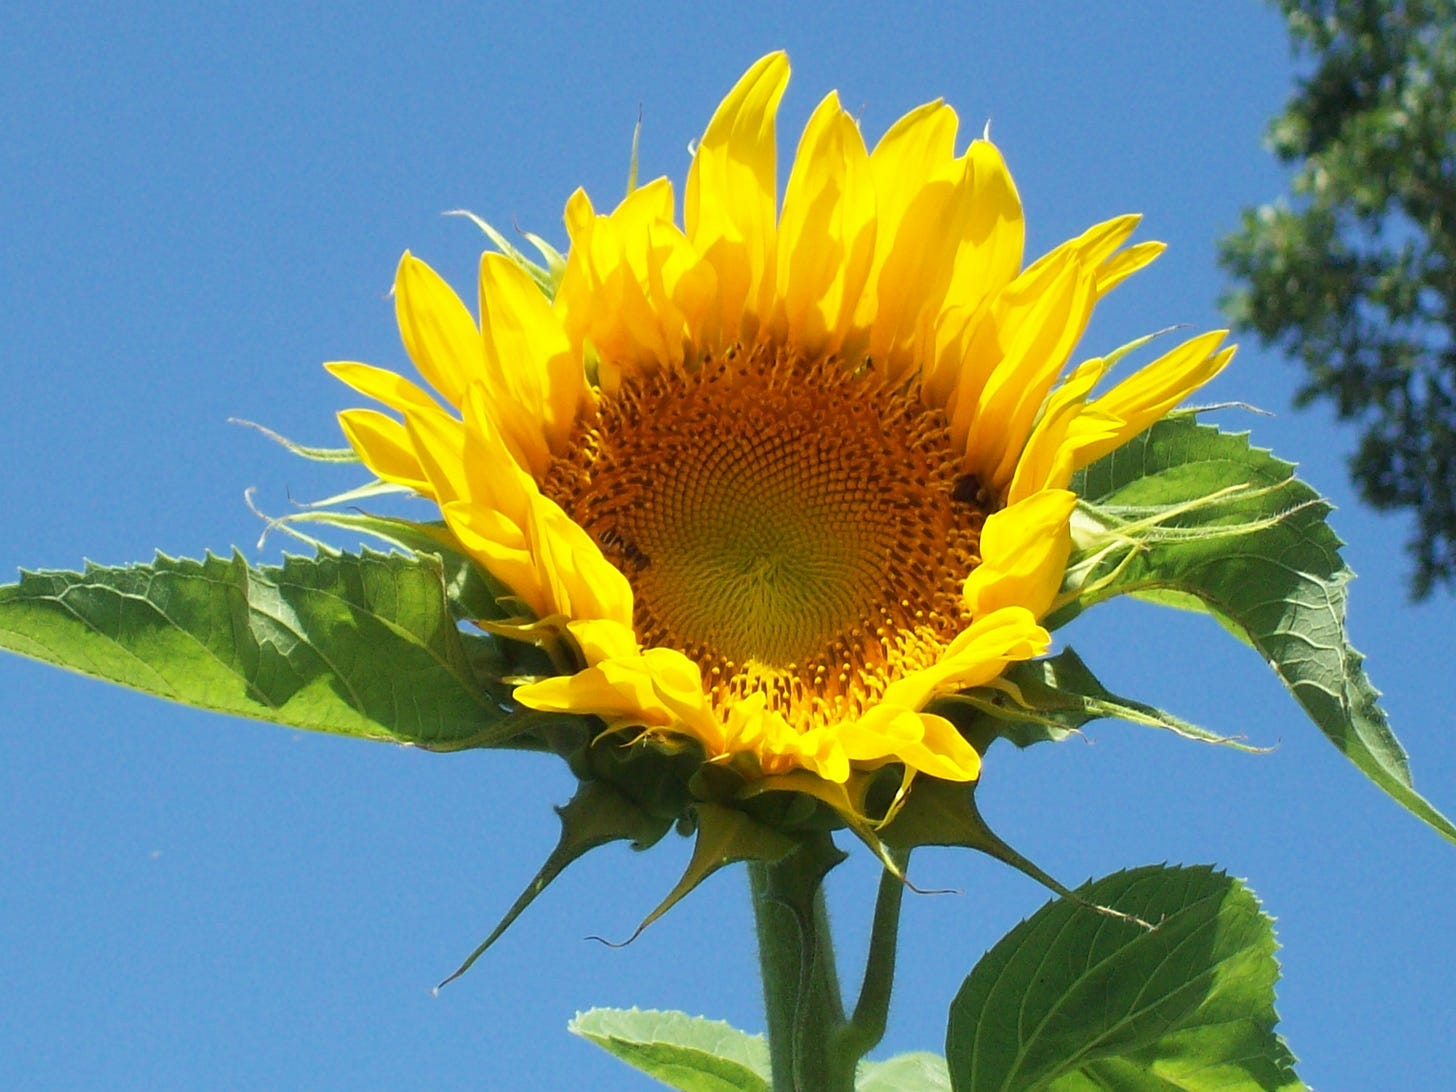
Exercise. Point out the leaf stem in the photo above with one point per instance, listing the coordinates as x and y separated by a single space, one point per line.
866 1027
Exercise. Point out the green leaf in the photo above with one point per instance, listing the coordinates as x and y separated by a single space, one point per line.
1073 1000
918 1072
363 646
473 594
596 815
1193 517
684 1052
1048 700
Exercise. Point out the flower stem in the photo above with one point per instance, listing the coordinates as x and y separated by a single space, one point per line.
800 982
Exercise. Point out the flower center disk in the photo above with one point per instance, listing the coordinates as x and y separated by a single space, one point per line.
793 528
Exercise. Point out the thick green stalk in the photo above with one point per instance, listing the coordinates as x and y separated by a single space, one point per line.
800 982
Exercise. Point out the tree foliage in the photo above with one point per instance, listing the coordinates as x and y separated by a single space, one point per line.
1354 274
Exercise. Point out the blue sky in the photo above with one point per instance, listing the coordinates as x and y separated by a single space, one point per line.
202 203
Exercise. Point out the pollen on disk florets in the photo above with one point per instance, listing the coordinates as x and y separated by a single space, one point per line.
795 527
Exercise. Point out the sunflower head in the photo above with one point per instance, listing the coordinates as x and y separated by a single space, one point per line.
772 475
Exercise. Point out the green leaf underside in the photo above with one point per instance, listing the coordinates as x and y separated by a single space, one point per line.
700 1055
1055 697
357 645
1073 1000
596 815
1262 560
684 1052
921 1071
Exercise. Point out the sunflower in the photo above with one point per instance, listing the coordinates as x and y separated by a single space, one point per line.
775 476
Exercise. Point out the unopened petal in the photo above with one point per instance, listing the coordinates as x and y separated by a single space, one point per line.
1024 551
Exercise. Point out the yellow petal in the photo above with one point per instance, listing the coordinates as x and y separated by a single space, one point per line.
1124 264
490 472
974 658
1024 551
658 689
994 237
1094 246
918 147
1147 395
991 241
729 203
1046 462
783 752
384 445
925 742
438 332
820 751
619 693
483 496
920 192
826 236
384 386
499 514
603 639
579 580
651 255
944 752
617 292
578 215
501 548
439 442
993 232
535 381
1012 363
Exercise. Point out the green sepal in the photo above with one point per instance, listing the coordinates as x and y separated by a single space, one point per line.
1188 516
364 645
547 278
653 776
303 451
724 836
796 803
1070 1002
596 815
836 804
919 1071
632 160
689 1053
1037 701
944 813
